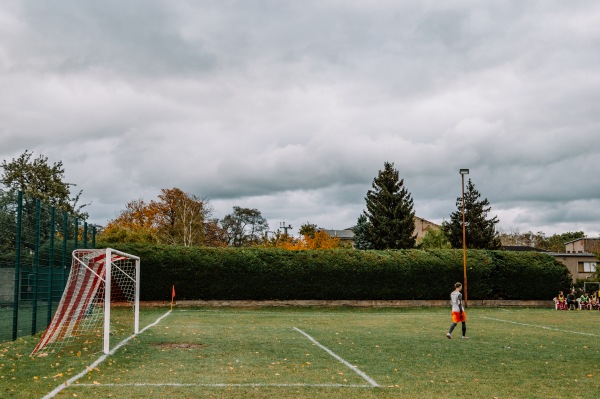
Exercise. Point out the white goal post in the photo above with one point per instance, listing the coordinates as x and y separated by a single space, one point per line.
98 279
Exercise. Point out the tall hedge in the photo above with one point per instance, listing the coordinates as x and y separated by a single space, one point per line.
255 273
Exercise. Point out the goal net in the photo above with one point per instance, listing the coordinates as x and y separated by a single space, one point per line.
100 280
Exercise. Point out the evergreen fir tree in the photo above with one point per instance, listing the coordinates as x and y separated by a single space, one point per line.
390 212
360 233
480 231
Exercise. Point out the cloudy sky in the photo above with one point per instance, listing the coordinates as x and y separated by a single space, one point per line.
292 107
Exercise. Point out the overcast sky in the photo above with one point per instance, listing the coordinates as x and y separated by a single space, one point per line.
292 107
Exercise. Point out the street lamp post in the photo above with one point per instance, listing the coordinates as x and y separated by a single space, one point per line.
464 172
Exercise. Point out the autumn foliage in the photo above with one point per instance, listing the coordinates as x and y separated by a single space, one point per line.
134 224
177 218
315 239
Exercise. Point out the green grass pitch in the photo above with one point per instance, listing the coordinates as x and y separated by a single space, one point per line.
323 353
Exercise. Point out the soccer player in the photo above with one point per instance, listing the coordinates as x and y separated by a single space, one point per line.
594 300
572 301
561 301
584 301
458 312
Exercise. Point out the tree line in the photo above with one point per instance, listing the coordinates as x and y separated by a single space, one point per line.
388 221
181 218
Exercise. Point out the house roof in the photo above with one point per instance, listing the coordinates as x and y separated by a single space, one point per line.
573 255
522 248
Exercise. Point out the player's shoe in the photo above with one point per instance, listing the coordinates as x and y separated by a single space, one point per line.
449 336
464 337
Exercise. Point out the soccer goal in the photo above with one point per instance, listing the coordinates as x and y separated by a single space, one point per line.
100 279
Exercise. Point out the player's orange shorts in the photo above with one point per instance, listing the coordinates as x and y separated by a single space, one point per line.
459 317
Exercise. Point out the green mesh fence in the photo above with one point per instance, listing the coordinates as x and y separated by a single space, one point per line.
36 241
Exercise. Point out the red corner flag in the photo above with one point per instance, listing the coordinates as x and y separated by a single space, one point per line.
172 296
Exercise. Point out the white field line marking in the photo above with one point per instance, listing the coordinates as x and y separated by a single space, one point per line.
102 358
250 385
351 367
542 327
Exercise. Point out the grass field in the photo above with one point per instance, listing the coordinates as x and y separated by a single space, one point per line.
324 353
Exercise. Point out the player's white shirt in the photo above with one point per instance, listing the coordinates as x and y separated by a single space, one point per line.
456 301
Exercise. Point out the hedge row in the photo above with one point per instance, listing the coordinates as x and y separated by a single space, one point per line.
260 274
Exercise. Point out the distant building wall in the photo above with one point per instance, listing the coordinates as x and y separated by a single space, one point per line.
579 264
583 245
422 226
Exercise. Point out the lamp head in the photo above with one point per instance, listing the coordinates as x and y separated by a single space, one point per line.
464 171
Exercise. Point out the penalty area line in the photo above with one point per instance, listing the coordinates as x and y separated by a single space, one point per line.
371 381
98 361
538 326
248 385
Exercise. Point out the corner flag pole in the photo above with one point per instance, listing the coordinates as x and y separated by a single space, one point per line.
172 296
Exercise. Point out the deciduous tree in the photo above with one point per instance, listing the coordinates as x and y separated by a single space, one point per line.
8 217
214 234
435 239
528 239
312 238
278 240
318 239
308 229
136 223
244 227
176 218
180 217
556 242
36 178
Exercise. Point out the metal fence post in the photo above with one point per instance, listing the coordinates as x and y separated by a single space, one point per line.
64 247
51 264
36 266
85 233
17 266
76 233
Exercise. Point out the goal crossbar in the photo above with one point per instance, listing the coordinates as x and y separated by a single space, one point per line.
87 267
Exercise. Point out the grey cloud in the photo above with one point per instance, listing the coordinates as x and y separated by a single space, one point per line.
293 108
135 37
